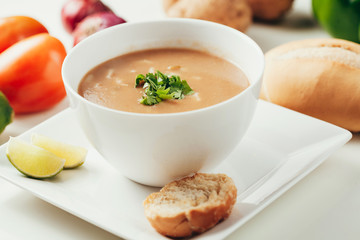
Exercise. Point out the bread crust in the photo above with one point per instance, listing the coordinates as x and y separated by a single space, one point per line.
196 219
324 88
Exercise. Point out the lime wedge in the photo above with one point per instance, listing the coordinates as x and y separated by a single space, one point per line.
33 161
6 112
74 155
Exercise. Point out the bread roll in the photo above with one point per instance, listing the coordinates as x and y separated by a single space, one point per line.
317 77
233 13
191 205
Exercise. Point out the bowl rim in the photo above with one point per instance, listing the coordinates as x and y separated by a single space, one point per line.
159 21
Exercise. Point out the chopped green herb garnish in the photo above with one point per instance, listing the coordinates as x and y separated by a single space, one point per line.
158 87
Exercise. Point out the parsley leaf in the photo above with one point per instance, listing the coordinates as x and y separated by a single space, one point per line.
158 87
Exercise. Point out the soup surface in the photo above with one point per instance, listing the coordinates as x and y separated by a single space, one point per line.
213 80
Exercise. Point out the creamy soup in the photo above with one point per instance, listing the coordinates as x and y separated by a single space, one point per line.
213 80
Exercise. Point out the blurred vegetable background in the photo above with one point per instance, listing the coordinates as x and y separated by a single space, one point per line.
6 112
30 65
340 18
73 11
82 18
16 28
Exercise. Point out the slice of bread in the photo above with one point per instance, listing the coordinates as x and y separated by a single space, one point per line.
191 205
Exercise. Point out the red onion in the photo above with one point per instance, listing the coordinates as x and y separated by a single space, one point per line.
73 11
94 23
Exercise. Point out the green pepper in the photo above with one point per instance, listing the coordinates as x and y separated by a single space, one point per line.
340 18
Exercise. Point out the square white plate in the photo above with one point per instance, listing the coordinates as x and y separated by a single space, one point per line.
279 149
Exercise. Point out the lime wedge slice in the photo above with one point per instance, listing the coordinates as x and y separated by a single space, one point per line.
33 161
74 155
6 112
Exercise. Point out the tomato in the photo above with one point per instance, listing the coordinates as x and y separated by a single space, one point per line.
16 28
30 73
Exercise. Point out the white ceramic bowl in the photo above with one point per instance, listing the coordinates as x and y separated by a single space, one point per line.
154 149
